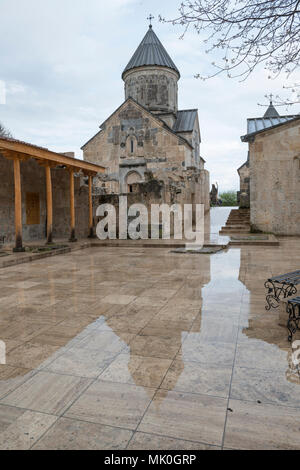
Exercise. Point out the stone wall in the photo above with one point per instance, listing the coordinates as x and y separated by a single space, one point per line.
156 192
275 179
34 194
154 88
243 194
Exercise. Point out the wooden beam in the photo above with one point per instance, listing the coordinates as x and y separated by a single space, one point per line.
49 205
32 151
72 207
45 163
9 155
91 222
18 207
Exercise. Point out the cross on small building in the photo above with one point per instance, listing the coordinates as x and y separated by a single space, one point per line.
150 18
270 96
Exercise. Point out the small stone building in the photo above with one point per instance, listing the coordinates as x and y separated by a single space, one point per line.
271 176
147 137
243 195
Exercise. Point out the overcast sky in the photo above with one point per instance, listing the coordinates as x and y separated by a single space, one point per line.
61 61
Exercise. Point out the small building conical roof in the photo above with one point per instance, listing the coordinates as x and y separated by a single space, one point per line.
150 52
271 112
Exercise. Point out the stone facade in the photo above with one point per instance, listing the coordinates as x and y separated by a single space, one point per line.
274 157
133 142
34 202
147 137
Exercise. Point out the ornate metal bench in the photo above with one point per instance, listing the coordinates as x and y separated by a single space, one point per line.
281 287
293 309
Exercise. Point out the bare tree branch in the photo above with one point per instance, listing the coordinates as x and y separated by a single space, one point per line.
4 132
250 32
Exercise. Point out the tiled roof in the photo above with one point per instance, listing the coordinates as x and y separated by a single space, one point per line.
185 120
150 52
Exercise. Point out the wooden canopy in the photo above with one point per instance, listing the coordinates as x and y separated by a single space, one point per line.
21 151
11 148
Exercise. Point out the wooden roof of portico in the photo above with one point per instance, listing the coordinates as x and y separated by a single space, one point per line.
18 151
12 149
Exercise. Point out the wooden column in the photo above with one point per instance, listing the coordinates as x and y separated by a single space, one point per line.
18 207
91 222
49 204
72 206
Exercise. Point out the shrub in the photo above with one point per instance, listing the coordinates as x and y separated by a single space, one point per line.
229 198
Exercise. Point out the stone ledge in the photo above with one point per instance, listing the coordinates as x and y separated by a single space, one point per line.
13 259
251 239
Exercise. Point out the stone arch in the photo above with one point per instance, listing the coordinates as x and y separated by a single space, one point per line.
137 173
132 178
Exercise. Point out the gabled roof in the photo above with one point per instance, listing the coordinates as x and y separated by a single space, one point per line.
185 121
150 52
258 125
154 116
270 120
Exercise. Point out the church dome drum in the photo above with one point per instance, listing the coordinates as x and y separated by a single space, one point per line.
151 76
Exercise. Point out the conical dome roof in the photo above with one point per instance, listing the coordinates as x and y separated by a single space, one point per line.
271 112
150 52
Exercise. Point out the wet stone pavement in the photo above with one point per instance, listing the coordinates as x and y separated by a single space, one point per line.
131 348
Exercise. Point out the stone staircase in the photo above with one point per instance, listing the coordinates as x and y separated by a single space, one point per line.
237 222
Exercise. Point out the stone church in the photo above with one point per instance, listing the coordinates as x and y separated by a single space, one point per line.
147 139
269 179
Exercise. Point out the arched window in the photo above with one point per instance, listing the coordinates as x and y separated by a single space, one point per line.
131 145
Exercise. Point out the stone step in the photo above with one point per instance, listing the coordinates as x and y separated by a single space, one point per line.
235 229
237 226
240 222
231 232
237 221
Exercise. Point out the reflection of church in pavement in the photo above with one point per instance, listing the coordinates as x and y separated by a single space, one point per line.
174 336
